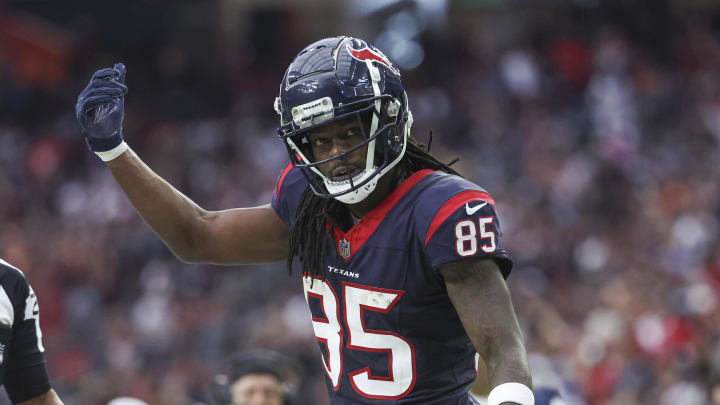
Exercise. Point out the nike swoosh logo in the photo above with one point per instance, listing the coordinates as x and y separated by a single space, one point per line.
474 209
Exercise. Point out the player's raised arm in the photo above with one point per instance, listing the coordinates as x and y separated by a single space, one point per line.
247 235
481 298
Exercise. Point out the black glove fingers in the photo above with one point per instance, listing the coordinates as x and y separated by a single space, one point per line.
103 87
107 91
105 74
120 68
95 83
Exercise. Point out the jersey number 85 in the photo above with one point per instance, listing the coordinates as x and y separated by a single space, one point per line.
328 330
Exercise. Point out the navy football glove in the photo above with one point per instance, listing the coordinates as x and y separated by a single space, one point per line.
99 109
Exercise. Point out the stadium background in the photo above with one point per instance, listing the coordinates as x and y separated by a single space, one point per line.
594 124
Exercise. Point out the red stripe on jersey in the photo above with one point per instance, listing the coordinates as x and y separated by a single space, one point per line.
452 205
358 234
284 173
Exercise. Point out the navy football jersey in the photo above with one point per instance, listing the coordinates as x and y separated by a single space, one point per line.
385 325
22 365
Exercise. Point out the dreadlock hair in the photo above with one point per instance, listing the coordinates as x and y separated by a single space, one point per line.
309 233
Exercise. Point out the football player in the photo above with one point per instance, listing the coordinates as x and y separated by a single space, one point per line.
548 396
401 258
22 365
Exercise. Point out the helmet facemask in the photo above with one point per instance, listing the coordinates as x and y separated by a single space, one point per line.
384 132
336 79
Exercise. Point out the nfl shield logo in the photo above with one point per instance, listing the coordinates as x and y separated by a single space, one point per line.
344 248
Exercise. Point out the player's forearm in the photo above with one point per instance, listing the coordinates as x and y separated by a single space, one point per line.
507 362
482 301
500 344
175 218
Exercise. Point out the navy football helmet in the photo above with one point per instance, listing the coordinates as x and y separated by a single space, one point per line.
339 78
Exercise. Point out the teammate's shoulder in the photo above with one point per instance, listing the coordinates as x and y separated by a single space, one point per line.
13 291
9 273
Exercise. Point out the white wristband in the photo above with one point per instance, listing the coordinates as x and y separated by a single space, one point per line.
512 392
114 152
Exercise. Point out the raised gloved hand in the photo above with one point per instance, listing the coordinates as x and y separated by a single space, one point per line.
99 111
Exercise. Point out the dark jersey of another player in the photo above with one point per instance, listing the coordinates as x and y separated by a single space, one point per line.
385 325
22 365
548 396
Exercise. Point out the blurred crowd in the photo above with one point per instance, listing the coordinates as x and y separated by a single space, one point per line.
594 125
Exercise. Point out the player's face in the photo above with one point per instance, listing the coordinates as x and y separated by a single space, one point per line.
335 138
257 389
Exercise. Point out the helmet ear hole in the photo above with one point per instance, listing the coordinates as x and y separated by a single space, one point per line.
393 108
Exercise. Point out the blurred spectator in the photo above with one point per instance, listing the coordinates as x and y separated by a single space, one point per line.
256 377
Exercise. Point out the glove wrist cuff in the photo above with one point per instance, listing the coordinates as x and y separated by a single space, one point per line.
114 152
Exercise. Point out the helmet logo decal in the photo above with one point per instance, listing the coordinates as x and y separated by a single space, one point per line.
366 53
